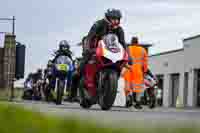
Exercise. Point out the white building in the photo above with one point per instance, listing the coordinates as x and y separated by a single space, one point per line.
179 73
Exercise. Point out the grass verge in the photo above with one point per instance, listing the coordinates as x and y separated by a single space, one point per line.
15 119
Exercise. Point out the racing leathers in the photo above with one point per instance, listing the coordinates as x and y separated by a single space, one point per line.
98 30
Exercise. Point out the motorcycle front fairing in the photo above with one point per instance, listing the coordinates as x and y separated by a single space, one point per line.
28 85
111 56
63 67
149 81
110 52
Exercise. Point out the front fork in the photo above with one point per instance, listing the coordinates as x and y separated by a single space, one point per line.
101 83
56 87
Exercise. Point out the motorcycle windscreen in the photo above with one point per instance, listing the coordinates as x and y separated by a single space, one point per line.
28 85
111 48
63 63
149 82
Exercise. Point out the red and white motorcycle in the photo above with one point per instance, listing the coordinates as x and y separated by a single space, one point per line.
101 74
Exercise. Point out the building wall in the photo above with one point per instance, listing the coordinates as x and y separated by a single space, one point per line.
179 62
192 63
191 53
7 62
167 63
1 67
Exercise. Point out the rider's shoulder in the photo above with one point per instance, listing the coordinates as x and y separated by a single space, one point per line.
100 22
120 28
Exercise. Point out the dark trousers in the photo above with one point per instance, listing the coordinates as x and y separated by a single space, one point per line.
75 85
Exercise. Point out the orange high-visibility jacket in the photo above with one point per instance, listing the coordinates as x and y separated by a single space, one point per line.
139 58
126 76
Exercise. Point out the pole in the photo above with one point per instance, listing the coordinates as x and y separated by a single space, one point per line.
12 95
13 26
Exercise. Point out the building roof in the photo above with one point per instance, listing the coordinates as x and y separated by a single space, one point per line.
146 45
190 38
143 44
167 52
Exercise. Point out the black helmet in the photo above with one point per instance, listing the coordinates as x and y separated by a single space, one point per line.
64 45
39 70
30 75
113 14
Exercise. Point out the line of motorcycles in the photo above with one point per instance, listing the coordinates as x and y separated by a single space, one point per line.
99 82
55 84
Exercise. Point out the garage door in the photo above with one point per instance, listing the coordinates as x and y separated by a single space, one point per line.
175 88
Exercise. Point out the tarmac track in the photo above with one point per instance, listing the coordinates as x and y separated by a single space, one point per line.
119 116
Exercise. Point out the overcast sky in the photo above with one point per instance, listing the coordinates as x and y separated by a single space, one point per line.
41 24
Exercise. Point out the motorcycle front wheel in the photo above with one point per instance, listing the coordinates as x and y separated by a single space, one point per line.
60 89
109 86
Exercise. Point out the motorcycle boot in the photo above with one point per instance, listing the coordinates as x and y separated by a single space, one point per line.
129 100
138 101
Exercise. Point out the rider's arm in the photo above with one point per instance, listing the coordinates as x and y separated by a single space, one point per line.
95 29
121 37
145 60
69 54
57 53
150 73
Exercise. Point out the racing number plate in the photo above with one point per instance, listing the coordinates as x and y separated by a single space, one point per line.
62 67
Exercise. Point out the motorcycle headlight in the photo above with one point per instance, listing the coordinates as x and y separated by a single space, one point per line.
49 73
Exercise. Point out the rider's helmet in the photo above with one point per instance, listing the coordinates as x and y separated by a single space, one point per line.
113 14
39 71
64 45
49 63
30 75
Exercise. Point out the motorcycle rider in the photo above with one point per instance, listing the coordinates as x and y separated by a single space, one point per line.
109 24
37 76
37 80
48 74
49 66
75 80
64 49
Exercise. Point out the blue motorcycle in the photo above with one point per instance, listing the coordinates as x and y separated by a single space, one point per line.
62 70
